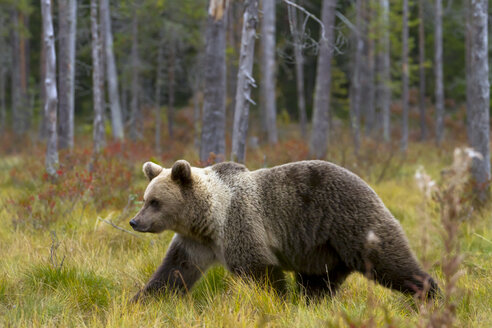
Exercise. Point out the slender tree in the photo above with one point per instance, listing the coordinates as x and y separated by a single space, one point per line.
171 80
97 80
384 77
4 64
355 87
18 95
111 73
51 100
478 96
299 59
369 64
423 124
214 100
268 98
67 10
438 73
321 115
404 95
158 87
135 118
245 81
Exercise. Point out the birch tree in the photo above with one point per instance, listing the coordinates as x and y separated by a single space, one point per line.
4 64
97 80
135 118
111 73
320 132
439 91
51 100
299 60
404 94
355 87
423 125
214 100
478 96
245 81
158 87
268 94
384 77
67 23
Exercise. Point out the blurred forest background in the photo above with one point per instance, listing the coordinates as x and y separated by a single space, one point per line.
89 90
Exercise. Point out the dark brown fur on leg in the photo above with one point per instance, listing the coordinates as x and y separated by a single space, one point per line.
315 286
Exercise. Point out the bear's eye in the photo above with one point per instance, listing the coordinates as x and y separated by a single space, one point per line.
154 203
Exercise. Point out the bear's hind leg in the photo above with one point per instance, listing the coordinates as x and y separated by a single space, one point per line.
314 286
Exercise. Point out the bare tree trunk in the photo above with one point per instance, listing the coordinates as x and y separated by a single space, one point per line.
196 115
24 72
479 97
355 89
423 124
3 106
268 95
299 58
369 63
245 81
404 96
50 88
135 132
214 102
438 71
18 96
158 87
321 115
4 48
112 74
67 10
97 80
170 86
385 79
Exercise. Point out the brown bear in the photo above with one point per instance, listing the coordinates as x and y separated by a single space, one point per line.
314 218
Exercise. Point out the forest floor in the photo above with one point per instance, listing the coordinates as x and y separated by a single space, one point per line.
62 264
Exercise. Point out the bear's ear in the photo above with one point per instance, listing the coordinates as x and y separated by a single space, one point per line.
181 172
151 170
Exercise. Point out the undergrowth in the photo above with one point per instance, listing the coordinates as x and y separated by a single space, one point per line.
65 264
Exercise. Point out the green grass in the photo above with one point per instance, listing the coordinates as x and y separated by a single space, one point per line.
103 267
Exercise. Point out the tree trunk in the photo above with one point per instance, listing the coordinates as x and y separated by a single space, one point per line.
3 106
135 119
299 58
214 101
19 112
67 10
355 88
3 73
479 97
97 80
50 88
111 73
438 71
196 115
268 95
321 114
385 78
170 86
404 97
369 67
423 124
158 87
245 81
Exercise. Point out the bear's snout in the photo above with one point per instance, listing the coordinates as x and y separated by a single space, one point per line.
133 223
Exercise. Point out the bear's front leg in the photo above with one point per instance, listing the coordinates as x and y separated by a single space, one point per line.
185 262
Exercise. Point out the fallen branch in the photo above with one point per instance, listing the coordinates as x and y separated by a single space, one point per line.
118 227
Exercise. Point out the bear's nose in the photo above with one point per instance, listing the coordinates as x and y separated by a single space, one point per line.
133 223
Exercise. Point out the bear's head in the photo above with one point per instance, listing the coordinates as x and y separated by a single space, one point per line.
165 197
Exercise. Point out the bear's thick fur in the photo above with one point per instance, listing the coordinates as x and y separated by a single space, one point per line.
311 217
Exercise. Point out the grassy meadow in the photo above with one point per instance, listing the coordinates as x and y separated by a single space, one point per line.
63 262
